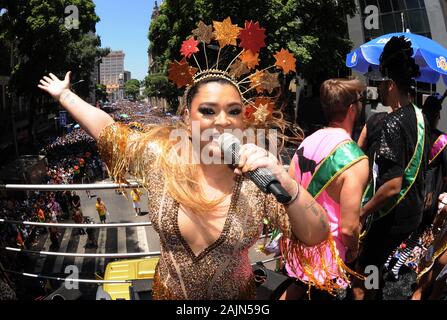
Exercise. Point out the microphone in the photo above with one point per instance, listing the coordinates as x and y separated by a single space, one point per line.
262 177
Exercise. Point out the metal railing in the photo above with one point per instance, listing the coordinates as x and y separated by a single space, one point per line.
39 276
78 225
97 186
65 187
86 255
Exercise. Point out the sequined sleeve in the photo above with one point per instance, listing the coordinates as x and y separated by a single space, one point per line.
392 140
124 152
277 216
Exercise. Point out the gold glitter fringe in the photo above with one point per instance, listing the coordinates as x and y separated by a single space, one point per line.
313 260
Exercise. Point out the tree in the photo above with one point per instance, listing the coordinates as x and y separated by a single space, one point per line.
101 92
43 43
158 85
322 49
132 88
324 41
315 31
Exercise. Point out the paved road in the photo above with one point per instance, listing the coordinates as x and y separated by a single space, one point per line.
110 240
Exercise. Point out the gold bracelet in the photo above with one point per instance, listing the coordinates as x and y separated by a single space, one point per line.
296 194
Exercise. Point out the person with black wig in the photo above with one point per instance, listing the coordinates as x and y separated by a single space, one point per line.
394 208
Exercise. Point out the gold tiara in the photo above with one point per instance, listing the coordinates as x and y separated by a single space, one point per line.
241 70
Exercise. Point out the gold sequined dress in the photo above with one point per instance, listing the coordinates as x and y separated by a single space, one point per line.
221 271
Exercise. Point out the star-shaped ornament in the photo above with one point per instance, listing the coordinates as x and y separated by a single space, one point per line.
270 81
256 81
285 60
226 32
203 32
181 73
238 68
250 59
261 113
189 47
249 110
261 101
252 37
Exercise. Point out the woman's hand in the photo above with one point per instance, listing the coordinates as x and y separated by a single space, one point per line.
54 86
252 157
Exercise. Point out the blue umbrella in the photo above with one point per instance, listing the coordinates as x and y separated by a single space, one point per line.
429 55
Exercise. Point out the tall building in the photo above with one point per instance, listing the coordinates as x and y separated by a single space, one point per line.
423 17
155 11
111 68
127 76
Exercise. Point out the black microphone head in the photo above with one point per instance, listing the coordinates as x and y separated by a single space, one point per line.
229 145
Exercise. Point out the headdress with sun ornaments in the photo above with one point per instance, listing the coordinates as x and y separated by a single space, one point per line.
241 70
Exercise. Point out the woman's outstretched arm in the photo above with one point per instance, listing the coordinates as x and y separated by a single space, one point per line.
90 118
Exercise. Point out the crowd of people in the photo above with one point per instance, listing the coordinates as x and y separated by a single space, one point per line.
35 206
72 158
127 112
376 201
358 200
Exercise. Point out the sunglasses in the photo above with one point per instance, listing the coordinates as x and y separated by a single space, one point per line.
361 99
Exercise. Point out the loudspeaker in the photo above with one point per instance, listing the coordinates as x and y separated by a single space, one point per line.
64 294
141 289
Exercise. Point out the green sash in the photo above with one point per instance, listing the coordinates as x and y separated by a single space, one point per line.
340 159
409 176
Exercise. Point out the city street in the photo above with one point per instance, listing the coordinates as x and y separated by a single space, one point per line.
110 240
336 108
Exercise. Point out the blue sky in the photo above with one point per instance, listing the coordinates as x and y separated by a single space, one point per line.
124 26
